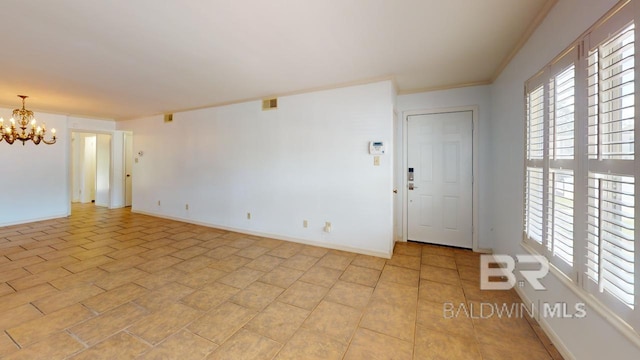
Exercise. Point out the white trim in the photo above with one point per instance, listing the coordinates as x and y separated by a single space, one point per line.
475 171
27 221
602 310
548 330
272 236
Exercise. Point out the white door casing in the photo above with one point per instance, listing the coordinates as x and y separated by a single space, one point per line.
440 152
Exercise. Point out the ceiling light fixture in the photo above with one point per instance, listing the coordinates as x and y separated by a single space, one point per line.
11 133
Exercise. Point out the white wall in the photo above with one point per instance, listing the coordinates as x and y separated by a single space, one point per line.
76 173
36 180
480 97
117 183
33 179
103 169
88 166
307 160
592 337
76 123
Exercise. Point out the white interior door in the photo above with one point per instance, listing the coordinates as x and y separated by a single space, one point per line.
440 197
128 167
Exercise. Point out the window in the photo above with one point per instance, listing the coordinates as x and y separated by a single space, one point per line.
534 201
551 164
580 164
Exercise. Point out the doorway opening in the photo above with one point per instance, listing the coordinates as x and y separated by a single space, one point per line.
91 168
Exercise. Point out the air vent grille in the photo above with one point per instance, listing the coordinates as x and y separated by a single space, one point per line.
270 104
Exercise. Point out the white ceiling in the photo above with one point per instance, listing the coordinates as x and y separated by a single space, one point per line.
129 58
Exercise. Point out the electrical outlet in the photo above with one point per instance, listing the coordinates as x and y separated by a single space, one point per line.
327 227
305 223
248 216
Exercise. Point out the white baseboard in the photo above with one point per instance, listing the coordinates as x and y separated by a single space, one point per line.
555 339
272 236
20 222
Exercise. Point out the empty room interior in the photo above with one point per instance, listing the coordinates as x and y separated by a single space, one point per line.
340 179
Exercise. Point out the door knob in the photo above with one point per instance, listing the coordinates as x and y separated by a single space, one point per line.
395 191
411 186
128 175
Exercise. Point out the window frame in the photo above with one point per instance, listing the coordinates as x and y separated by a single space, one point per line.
543 79
574 274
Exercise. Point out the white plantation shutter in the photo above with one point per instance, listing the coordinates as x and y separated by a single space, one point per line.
610 241
581 168
611 98
562 114
549 178
534 204
561 162
534 182
535 124
560 215
610 249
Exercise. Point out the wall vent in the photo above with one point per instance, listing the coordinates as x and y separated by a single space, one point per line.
270 104
168 118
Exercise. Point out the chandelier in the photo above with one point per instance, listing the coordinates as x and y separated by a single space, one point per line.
24 119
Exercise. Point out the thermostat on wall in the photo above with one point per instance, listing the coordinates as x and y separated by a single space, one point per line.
376 148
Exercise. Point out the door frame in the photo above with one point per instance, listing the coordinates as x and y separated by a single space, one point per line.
475 177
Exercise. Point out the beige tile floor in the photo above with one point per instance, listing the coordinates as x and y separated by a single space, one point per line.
109 284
